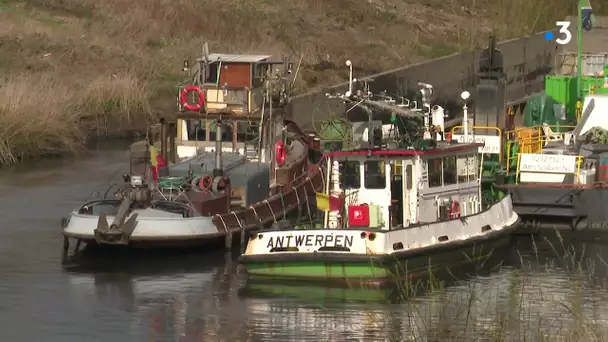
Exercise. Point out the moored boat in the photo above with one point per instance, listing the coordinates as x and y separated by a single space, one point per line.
401 207
561 183
553 170
208 196
549 153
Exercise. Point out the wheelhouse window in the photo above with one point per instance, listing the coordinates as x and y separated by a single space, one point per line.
449 170
212 73
227 128
259 71
435 172
374 174
467 167
409 175
350 176
247 132
195 130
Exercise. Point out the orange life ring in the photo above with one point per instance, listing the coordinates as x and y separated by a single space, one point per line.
183 97
454 210
205 183
280 153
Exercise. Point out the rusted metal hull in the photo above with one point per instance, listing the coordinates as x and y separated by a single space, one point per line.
295 182
276 207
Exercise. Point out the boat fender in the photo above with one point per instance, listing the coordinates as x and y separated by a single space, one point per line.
454 210
205 183
219 184
196 184
183 98
65 221
280 153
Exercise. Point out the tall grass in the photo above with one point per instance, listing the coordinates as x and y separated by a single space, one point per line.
110 63
43 114
545 298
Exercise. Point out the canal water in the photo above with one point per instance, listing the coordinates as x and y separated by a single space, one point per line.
543 287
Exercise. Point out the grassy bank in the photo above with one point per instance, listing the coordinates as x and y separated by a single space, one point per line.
72 67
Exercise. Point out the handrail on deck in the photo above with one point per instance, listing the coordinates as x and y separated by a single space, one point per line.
531 140
480 128
528 139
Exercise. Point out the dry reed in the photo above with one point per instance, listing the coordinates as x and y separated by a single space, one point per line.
104 64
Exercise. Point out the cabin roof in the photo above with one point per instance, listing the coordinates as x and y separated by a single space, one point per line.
237 58
408 153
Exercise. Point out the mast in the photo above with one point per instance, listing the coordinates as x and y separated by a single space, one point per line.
219 168
579 56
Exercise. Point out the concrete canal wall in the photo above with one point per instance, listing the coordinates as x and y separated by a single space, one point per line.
526 61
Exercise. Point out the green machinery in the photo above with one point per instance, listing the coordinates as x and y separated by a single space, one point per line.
558 104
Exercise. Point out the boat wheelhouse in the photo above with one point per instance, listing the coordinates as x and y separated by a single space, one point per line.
401 188
239 89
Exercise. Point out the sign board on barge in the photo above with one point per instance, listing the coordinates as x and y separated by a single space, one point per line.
551 163
545 168
492 142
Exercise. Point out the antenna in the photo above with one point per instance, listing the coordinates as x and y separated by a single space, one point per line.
349 64
206 52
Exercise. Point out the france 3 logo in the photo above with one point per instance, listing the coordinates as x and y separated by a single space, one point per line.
564 35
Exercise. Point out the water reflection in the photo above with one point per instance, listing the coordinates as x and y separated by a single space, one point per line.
203 296
169 294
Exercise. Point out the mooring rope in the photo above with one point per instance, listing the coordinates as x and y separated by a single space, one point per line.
271 211
283 205
237 220
223 223
308 204
114 175
256 214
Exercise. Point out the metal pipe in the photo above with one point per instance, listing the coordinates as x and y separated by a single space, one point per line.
218 170
172 145
163 138
271 134
579 51
400 111
465 121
